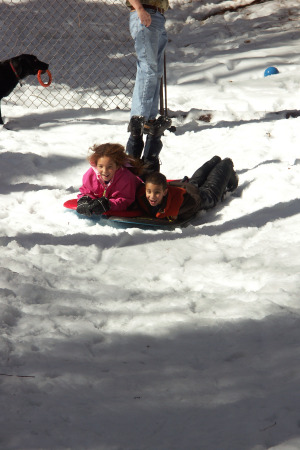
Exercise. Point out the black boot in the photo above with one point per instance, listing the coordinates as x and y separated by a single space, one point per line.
136 126
199 177
216 183
158 126
233 182
150 166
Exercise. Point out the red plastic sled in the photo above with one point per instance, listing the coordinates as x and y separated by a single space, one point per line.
129 218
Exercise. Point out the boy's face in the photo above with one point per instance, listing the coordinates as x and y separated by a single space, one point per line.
155 193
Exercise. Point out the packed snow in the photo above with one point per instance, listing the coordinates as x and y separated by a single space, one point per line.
116 338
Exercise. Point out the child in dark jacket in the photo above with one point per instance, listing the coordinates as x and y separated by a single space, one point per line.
183 199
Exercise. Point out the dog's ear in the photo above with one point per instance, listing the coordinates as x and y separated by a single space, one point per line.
21 66
25 65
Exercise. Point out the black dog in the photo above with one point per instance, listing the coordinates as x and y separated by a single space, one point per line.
15 69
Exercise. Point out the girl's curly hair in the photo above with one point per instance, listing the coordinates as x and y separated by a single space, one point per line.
117 153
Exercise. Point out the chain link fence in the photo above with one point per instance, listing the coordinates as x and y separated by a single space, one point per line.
87 44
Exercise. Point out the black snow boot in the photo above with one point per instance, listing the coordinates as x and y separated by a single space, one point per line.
233 182
212 190
158 126
136 126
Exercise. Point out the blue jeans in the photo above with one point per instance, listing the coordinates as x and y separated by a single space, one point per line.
150 44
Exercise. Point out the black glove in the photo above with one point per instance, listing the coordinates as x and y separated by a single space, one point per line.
100 205
84 205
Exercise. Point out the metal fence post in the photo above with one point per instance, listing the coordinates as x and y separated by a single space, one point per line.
163 91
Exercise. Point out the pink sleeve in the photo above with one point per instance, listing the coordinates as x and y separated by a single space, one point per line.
122 197
90 185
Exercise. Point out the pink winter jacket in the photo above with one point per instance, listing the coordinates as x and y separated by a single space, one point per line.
120 190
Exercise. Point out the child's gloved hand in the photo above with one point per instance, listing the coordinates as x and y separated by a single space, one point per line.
84 205
100 205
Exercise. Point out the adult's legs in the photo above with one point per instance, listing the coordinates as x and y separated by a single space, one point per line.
152 150
153 144
162 43
153 147
150 43
135 146
135 142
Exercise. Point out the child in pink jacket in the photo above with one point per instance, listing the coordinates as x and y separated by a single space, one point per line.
110 183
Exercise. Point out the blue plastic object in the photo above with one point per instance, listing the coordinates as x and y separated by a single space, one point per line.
270 71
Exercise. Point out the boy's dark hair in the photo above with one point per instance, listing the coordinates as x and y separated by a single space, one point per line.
158 179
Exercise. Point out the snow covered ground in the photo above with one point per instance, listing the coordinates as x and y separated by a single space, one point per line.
130 339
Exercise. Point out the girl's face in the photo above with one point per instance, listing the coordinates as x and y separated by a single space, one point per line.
106 168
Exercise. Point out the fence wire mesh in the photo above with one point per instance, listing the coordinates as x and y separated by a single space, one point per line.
87 44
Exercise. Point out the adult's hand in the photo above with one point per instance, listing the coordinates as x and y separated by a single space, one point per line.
144 16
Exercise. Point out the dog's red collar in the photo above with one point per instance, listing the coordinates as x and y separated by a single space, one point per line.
15 72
